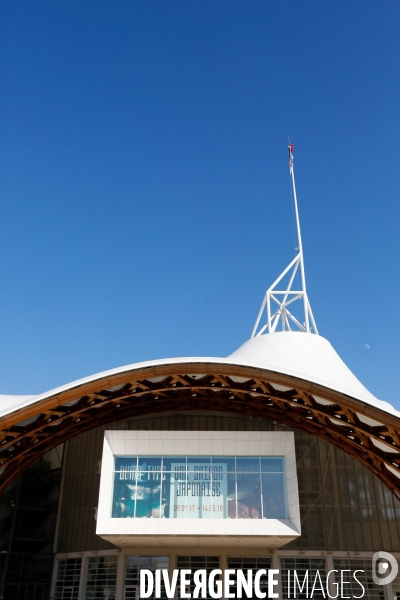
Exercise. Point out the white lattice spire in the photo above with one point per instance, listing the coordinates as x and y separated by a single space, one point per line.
280 296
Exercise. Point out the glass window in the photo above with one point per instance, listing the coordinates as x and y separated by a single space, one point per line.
199 487
299 574
272 464
174 463
396 587
193 461
133 566
228 461
101 578
248 496
352 588
196 562
274 494
68 579
149 463
147 494
124 497
248 464
255 563
126 465
166 486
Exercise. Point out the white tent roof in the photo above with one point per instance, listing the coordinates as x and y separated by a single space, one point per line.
303 355
309 357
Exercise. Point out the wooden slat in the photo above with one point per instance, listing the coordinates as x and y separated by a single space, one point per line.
213 389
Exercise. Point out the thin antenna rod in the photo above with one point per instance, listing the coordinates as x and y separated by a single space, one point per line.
303 276
278 297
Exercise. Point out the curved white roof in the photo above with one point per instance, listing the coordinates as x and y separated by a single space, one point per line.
309 357
8 401
303 355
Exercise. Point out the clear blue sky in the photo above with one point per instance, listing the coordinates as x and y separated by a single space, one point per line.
145 200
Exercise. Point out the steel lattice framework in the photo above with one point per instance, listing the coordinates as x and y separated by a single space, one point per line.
279 296
369 434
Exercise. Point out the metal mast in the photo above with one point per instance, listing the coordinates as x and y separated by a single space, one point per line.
277 299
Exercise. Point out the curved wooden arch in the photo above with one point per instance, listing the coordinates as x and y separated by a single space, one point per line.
369 434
